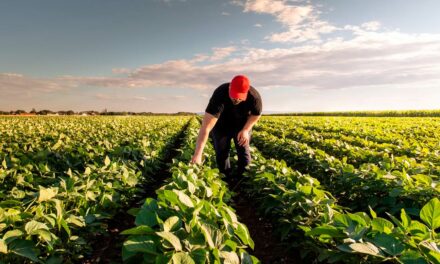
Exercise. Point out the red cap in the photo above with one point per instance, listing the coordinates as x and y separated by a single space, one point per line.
239 87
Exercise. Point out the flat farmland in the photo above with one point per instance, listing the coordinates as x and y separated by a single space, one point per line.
122 189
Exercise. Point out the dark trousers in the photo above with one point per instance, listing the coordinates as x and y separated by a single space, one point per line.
222 146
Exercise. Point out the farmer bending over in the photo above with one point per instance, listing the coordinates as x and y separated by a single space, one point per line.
233 110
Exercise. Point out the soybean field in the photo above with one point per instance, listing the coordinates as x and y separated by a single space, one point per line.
122 190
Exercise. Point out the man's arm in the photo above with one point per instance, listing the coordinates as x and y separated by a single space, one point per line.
208 123
243 135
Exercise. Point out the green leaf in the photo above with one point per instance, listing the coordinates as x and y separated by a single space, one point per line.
171 224
78 221
182 258
412 257
12 235
382 225
248 259
169 196
143 244
418 229
231 215
342 220
431 246
161 259
406 220
396 222
65 226
434 257
432 251
57 145
366 248
206 231
173 239
422 179
45 235
139 230
360 218
146 217
372 212
199 255
231 245
326 230
46 193
388 244
345 248
24 248
430 214
243 233
3 247
185 199
229 257
106 161
33 227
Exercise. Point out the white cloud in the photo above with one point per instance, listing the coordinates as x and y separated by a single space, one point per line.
141 98
299 17
120 97
225 14
371 26
218 54
20 85
258 25
221 53
369 59
120 70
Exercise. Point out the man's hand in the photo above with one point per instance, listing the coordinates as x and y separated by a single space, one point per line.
196 159
243 137
207 124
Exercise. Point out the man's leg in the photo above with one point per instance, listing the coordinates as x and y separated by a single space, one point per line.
222 146
244 156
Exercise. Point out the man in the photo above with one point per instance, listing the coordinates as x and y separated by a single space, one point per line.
233 110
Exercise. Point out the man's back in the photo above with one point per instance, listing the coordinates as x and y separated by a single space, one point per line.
232 118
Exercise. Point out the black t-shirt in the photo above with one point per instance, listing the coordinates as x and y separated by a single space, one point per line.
232 118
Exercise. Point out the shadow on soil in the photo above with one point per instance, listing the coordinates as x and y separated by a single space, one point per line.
268 247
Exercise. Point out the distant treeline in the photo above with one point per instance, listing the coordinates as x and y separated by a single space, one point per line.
92 112
399 113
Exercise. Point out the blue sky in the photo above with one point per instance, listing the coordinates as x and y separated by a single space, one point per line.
169 56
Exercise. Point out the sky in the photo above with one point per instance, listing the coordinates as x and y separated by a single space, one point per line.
170 55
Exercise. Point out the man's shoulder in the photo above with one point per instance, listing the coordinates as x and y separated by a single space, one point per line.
221 90
254 93
223 87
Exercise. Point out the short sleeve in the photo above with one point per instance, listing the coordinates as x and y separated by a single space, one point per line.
257 104
215 106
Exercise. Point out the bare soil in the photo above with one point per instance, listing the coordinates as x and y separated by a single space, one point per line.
268 247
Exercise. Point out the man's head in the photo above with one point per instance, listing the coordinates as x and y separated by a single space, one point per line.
238 89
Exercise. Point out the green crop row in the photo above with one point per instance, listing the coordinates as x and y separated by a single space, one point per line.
358 156
385 191
382 113
60 187
189 221
417 132
310 218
